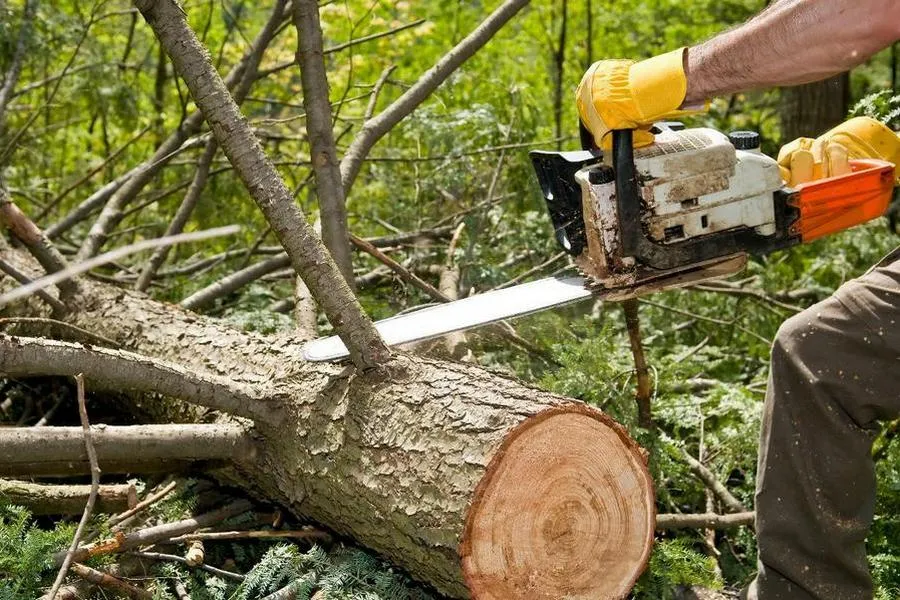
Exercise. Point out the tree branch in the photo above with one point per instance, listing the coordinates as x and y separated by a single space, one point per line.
319 130
241 77
374 129
11 78
95 487
234 281
152 535
714 485
704 521
181 216
308 256
43 499
118 370
644 390
40 247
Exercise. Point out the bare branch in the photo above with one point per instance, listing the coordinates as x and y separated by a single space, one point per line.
34 239
303 534
714 485
84 178
58 307
181 216
404 273
110 582
239 78
376 128
43 499
11 78
138 507
644 391
152 535
59 451
230 283
180 559
308 256
119 370
319 130
704 521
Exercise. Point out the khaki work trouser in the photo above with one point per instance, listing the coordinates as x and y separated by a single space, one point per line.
835 372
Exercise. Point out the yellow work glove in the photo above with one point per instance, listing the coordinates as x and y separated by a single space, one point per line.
623 94
828 155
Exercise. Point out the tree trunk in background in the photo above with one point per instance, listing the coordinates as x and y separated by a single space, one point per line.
811 109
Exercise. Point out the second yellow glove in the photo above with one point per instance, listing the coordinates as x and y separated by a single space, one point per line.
807 159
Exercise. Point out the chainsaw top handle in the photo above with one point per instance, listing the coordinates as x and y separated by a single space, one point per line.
627 197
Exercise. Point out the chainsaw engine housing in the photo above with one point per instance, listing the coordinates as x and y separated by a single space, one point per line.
688 202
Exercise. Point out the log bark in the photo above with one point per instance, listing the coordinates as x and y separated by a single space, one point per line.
42 499
478 485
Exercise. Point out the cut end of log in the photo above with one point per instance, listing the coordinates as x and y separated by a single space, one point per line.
565 510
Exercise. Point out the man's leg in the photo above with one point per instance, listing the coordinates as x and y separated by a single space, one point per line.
835 371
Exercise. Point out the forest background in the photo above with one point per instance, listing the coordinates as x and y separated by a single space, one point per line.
95 95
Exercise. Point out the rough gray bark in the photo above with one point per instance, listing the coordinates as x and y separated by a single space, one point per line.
397 457
323 153
308 256
374 129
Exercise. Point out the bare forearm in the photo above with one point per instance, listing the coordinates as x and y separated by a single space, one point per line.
792 42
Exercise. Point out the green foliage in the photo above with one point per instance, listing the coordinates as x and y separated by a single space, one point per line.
882 105
676 563
26 552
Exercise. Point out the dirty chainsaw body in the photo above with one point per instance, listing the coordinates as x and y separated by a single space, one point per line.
690 207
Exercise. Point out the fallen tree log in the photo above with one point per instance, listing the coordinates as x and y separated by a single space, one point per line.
478 485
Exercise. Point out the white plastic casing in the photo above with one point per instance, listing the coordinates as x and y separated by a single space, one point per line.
694 183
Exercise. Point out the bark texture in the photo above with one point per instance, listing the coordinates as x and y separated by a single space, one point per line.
407 458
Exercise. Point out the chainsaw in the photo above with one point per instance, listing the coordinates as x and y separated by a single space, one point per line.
692 206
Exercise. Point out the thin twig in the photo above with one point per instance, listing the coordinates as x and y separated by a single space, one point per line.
148 501
305 534
182 560
57 306
399 269
95 486
643 393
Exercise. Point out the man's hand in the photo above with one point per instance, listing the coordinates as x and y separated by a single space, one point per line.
828 155
623 94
